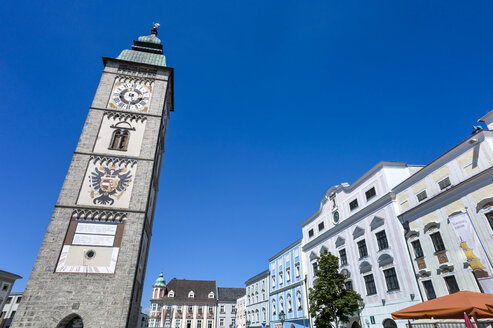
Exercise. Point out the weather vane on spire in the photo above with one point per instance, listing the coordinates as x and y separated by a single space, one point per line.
155 27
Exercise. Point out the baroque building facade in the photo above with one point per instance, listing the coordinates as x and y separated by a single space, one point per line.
95 249
358 224
288 291
183 303
447 212
257 300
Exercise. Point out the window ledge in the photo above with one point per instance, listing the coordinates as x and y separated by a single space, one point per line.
384 250
117 149
364 258
393 291
440 252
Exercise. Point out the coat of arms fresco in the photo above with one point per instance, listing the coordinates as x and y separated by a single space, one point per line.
108 183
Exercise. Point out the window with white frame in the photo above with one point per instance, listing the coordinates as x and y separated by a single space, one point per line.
281 304
191 294
297 270
288 274
444 183
489 217
177 323
199 323
171 293
280 278
290 303
273 280
421 196
221 322
298 298
211 295
273 307
209 323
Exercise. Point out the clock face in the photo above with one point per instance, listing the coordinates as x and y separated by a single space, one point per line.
131 96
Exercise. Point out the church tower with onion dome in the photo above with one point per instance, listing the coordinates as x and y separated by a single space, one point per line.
91 265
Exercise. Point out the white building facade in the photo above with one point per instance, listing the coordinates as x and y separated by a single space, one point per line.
257 300
10 309
358 224
447 212
226 306
7 281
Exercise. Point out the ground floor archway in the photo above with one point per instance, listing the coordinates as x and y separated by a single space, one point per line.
71 321
389 323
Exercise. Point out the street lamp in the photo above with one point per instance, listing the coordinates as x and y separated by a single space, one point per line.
282 317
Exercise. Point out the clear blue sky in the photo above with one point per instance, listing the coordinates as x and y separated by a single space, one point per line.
275 102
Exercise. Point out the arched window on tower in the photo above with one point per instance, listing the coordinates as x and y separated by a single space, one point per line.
119 141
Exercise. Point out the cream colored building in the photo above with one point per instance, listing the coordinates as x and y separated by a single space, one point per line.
446 209
241 312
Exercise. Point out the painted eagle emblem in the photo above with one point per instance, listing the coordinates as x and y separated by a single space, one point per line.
107 183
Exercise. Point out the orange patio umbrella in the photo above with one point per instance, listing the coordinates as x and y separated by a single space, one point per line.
450 307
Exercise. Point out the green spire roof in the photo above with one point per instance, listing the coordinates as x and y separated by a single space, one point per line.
146 50
160 282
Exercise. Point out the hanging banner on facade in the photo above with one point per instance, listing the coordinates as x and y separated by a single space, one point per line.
473 250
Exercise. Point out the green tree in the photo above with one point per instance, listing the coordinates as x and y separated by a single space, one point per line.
330 302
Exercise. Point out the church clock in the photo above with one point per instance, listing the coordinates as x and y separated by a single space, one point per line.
130 96
91 265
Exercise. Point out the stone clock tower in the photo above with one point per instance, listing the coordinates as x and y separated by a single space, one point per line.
91 266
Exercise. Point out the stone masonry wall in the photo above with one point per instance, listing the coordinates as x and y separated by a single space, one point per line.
101 300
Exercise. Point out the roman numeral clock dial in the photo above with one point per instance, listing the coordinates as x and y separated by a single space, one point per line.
130 96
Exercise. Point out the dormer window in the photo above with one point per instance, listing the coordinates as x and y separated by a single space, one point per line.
211 295
191 294
171 293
